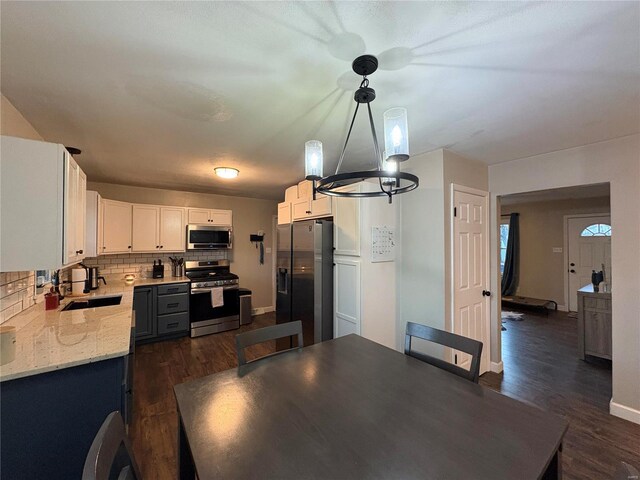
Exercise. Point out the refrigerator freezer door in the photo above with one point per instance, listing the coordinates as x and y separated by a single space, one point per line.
283 272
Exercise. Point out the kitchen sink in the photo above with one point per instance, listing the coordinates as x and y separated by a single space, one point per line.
93 303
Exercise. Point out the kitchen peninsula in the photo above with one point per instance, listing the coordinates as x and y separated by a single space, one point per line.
71 369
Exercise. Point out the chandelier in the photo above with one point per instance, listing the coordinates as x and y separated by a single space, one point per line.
390 180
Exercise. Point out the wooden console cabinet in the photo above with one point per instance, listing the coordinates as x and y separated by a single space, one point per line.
594 323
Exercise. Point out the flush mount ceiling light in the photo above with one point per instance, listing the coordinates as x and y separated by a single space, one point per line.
391 181
226 172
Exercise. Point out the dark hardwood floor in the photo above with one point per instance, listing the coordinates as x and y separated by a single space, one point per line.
541 368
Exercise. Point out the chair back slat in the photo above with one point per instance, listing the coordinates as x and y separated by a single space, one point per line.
457 342
111 448
273 332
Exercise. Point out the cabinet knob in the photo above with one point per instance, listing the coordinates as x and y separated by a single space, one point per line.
572 271
161 246
157 246
81 251
129 246
308 212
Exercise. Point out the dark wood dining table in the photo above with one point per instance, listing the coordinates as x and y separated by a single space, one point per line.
351 408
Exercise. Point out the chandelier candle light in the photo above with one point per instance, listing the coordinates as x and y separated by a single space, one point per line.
387 165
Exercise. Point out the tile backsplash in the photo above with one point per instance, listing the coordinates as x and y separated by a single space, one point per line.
133 262
17 293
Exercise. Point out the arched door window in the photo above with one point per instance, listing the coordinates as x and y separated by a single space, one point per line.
597 230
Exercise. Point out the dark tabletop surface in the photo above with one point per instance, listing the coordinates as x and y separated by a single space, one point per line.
351 408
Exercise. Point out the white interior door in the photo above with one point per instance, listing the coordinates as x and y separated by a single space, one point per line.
589 247
470 279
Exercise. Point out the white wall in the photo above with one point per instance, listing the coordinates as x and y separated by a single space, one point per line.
421 264
424 276
617 162
12 122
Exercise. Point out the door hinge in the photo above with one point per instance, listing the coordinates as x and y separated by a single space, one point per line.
455 211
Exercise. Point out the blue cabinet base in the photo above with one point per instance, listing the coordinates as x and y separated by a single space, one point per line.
48 421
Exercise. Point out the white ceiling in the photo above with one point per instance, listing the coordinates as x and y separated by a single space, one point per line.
158 93
598 190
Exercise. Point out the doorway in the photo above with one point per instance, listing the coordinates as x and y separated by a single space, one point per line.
588 241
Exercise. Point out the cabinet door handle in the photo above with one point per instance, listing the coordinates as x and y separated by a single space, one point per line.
172 325
173 305
172 289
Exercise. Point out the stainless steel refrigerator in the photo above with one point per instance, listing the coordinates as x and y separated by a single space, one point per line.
305 279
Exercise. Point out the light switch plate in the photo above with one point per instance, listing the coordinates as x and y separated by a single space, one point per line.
557 249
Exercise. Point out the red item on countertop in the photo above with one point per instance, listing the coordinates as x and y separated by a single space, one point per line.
51 301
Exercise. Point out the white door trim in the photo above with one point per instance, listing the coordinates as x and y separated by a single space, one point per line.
485 364
565 230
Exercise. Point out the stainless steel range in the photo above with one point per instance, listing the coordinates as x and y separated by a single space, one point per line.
211 313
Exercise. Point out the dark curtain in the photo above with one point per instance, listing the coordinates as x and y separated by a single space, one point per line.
512 260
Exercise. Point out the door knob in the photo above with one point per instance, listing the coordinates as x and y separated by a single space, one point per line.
572 271
486 293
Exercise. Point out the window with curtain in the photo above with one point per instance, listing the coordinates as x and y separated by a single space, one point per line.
504 237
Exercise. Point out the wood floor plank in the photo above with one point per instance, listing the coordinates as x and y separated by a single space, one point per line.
541 368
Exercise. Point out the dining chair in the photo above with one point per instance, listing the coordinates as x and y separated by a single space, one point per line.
273 332
110 455
447 339
626 472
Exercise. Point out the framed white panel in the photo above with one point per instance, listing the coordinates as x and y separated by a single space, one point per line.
346 226
346 296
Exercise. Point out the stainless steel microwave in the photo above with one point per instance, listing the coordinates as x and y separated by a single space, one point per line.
208 237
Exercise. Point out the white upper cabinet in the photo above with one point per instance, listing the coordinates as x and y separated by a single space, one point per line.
301 209
93 224
116 226
198 215
210 217
284 212
145 232
172 229
75 204
158 229
41 193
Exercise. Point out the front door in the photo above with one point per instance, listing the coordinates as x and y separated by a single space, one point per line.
589 247
470 279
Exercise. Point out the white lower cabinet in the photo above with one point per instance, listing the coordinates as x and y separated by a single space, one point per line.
116 226
346 296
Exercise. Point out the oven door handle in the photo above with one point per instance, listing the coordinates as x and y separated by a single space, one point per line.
208 290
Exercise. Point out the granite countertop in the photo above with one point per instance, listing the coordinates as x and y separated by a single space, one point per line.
48 340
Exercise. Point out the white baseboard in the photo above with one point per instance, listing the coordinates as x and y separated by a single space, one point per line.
563 308
497 367
625 412
261 310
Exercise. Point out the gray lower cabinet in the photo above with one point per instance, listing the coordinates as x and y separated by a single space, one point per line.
162 312
143 304
594 323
